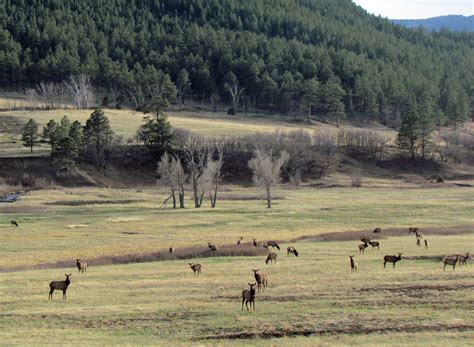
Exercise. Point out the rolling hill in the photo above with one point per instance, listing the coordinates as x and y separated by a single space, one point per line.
452 22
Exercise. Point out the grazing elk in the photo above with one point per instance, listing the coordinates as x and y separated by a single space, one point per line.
362 248
377 230
239 241
392 259
248 296
450 261
375 244
463 259
426 243
353 264
13 223
261 279
365 239
212 247
292 250
272 257
273 244
196 268
59 285
81 265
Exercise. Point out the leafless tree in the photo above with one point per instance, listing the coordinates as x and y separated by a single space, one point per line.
235 92
32 98
80 88
212 172
172 174
267 169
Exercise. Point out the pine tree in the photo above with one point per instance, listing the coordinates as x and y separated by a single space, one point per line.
333 94
310 97
409 132
98 137
30 134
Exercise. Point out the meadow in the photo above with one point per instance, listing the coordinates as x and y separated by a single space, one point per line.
312 299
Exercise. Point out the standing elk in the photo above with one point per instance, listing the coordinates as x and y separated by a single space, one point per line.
377 230
81 265
248 296
59 285
273 244
13 223
195 267
375 244
272 257
261 279
353 264
392 259
292 250
450 261
463 259
362 248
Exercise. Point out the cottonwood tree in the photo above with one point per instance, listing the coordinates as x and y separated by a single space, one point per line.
212 172
52 95
172 174
30 134
80 88
267 169
235 91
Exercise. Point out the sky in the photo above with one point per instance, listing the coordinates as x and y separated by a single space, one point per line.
417 9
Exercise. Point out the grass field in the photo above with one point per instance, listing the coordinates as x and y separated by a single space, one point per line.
312 299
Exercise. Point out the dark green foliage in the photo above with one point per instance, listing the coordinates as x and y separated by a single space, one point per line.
98 138
30 134
65 154
409 132
157 134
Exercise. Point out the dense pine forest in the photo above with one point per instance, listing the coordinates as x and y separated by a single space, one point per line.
295 57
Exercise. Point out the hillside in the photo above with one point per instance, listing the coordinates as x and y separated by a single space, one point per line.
453 22
289 55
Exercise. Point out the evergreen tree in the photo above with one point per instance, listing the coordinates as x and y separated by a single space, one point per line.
30 134
65 154
98 137
183 84
425 122
333 94
310 97
409 132
49 132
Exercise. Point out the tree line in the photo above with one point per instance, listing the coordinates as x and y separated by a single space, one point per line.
296 57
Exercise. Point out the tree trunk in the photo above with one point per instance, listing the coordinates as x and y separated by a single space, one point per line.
309 114
181 198
269 198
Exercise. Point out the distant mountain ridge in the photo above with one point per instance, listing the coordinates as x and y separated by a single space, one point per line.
452 22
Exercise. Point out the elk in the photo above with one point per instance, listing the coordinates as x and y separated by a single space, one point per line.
377 230
362 248
292 250
413 230
463 259
13 223
365 239
272 257
353 264
195 267
392 259
59 285
212 247
81 265
171 250
426 243
273 244
261 279
248 296
375 244
450 261
239 241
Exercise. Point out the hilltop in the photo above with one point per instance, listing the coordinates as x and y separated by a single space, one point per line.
452 22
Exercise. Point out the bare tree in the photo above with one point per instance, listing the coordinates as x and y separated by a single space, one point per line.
212 172
32 98
52 95
172 174
80 88
266 169
235 92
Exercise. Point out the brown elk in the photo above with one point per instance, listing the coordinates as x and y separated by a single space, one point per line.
377 230
362 248
248 296
196 268
353 264
13 223
59 285
450 261
272 257
291 250
261 279
273 244
81 265
392 259
375 244
212 247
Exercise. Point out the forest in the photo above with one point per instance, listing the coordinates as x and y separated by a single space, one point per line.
293 57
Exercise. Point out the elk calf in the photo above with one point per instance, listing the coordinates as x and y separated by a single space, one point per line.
375 244
261 279
450 261
377 230
248 296
292 250
13 223
81 265
196 268
392 259
272 257
353 264
362 248
59 285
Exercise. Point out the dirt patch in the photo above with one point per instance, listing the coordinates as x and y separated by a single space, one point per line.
352 235
409 290
93 202
244 250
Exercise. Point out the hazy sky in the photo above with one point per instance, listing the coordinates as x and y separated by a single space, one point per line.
414 9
